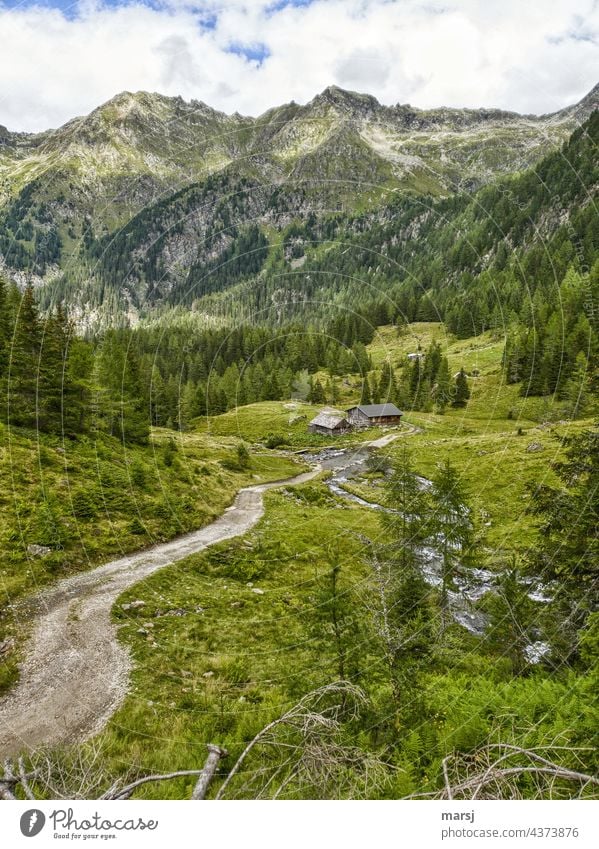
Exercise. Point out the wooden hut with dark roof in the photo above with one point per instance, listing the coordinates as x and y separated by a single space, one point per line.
368 415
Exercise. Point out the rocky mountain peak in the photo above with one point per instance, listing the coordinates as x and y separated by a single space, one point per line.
351 102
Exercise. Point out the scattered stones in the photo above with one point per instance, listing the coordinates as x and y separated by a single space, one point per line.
534 446
236 604
208 675
142 631
38 550
257 591
6 646
133 605
177 611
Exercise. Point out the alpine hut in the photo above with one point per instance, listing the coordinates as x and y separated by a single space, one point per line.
329 424
367 415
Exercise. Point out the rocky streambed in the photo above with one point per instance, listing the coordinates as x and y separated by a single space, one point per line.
349 464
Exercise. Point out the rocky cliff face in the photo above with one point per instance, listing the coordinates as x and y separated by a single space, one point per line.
64 189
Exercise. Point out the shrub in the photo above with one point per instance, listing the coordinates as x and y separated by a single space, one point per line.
136 527
138 475
84 504
243 456
275 440
168 452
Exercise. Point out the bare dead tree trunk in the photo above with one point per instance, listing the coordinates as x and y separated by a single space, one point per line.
306 717
215 753
6 793
9 782
307 751
490 772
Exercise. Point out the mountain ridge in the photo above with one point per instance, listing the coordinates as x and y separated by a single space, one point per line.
332 94
65 189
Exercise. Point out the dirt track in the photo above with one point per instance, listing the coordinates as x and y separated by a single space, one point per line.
76 672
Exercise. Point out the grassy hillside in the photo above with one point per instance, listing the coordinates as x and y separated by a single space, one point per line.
502 443
67 506
233 636
280 424
234 659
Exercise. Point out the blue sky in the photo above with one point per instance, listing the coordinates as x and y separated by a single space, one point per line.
70 8
60 58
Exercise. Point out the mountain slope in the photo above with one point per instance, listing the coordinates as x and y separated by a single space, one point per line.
65 190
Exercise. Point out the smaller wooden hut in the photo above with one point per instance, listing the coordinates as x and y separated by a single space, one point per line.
329 424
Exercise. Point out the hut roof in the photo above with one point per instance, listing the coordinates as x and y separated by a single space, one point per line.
329 420
374 411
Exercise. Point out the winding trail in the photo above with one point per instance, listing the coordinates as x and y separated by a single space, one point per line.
76 672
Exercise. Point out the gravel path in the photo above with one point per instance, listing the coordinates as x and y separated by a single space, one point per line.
76 672
383 441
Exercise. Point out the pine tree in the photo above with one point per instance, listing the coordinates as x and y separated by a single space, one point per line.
4 328
119 403
576 390
452 526
133 414
416 383
567 554
366 397
335 615
24 362
442 387
510 611
189 405
54 389
388 384
375 389
462 390
316 394
77 393
404 621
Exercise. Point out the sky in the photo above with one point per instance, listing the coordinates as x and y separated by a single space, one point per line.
62 58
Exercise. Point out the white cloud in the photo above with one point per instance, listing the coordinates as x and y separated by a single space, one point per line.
365 68
530 57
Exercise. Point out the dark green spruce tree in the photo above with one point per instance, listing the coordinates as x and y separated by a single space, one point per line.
462 390
452 524
567 554
402 597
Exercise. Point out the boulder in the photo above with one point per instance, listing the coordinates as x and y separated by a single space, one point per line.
133 605
534 446
38 550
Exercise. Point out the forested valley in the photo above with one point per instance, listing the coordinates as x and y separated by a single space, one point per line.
422 624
